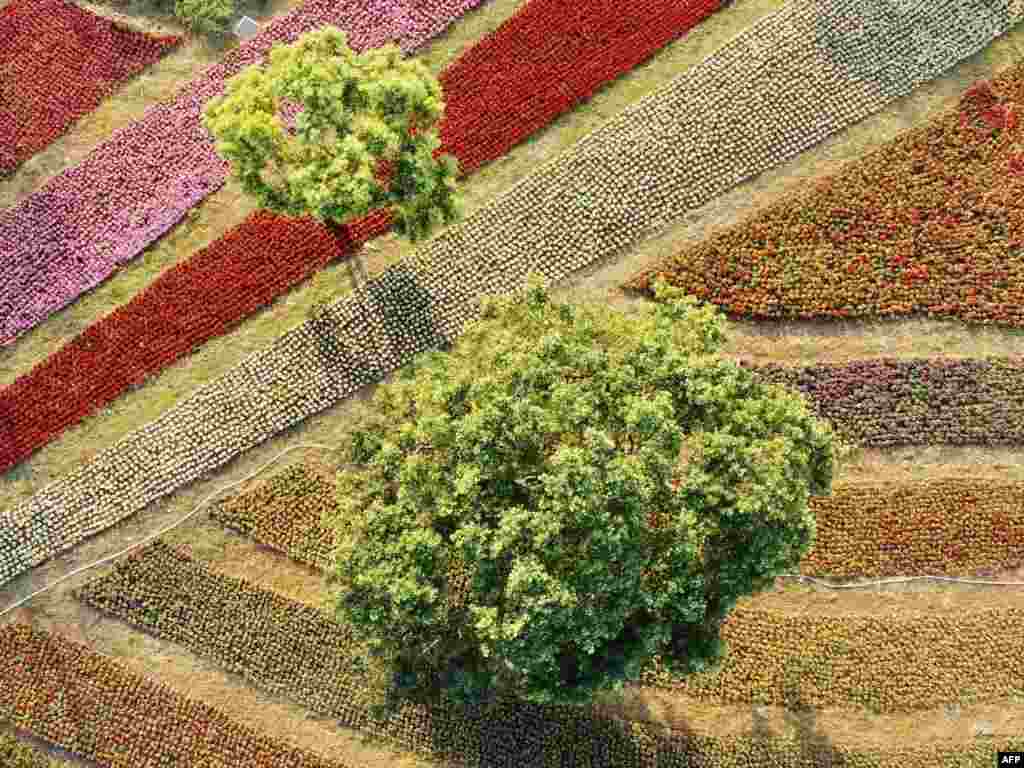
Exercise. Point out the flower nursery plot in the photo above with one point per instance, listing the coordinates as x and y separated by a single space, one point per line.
929 223
266 255
73 233
58 62
591 202
65 694
711 126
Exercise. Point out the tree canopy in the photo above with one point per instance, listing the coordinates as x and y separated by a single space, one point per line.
565 494
364 139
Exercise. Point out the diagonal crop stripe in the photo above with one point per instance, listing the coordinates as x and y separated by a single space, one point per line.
775 90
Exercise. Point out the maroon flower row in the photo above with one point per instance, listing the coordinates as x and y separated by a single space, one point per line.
885 402
57 62
266 255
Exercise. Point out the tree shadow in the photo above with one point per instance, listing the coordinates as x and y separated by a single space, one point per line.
526 735
814 745
382 326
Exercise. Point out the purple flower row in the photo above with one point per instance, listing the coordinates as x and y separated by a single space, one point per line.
69 236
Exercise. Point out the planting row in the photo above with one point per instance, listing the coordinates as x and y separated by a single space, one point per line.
65 694
17 754
544 60
905 660
58 62
266 255
71 234
876 402
947 527
888 402
931 222
142 724
673 150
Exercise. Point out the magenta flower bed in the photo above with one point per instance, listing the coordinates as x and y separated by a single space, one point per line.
57 62
70 235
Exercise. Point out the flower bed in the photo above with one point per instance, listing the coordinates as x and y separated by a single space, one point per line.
951 527
930 222
651 162
266 255
88 704
58 62
887 402
948 527
544 60
906 660
17 754
135 722
71 234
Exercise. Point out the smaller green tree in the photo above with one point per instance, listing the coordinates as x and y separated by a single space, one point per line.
365 139
205 16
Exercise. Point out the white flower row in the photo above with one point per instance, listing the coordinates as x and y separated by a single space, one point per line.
795 77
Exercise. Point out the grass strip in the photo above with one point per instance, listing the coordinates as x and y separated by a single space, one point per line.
806 71
84 702
547 57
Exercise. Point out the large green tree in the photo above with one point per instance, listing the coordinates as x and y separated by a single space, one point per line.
566 493
364 140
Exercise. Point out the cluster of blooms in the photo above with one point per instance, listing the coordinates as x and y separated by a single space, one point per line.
17 754
60 61
886 402
546 59
953 526
662 156
76 699
956 526
285 513
72 234
266 255
929 223
902 661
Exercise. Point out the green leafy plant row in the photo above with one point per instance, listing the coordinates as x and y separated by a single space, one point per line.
64 693
952 526
903 661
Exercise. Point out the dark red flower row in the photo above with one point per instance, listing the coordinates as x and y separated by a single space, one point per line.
266 255
57 62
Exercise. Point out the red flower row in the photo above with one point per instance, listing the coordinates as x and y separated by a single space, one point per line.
58 62
546 59
267 255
